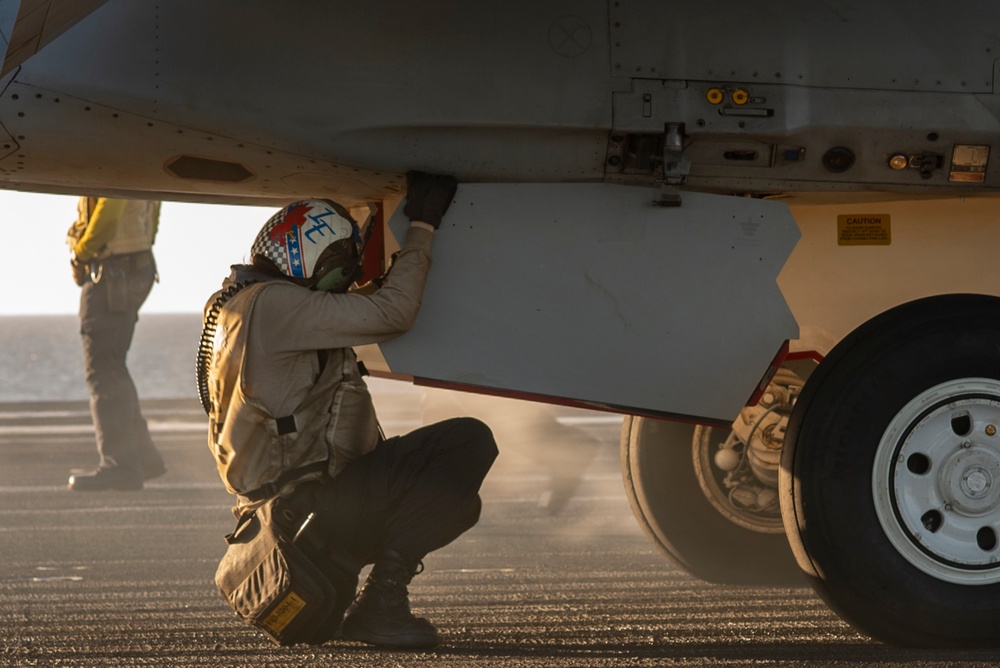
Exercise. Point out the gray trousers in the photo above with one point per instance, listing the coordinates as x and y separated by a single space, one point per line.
109 310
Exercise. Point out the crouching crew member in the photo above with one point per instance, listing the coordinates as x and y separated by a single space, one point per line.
290 415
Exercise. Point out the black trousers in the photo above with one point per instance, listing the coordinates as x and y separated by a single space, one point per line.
413 494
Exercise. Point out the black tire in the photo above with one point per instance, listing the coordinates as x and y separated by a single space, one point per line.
898 579
672 509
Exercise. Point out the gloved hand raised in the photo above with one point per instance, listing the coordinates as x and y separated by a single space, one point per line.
428 196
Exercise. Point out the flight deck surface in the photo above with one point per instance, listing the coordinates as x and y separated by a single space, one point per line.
125 578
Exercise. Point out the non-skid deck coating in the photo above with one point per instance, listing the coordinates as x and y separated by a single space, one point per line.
125 579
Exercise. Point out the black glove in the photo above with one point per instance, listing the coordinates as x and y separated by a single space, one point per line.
428 196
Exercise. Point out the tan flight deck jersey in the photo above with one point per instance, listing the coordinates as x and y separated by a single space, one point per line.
107 227
277 404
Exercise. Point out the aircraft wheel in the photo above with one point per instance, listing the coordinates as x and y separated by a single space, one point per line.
676 512
890 474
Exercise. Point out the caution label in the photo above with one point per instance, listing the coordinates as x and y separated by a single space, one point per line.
864 229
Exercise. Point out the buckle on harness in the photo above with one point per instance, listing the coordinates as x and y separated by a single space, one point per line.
270 489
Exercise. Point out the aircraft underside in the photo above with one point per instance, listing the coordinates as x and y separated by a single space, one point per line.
634 177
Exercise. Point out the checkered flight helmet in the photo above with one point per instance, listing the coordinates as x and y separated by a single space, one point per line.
314 242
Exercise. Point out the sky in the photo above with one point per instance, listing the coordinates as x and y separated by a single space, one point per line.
194 248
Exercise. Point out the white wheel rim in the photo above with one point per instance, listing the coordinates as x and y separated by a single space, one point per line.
936 481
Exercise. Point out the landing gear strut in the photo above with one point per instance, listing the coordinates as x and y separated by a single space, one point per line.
707 497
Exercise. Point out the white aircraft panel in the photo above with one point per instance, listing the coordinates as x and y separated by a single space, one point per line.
591 292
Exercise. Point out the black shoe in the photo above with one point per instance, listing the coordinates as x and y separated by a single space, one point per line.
153 470
380 615
152 462
103 479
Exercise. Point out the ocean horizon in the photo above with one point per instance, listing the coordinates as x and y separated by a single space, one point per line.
41 357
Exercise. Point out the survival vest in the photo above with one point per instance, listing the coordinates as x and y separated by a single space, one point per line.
257 453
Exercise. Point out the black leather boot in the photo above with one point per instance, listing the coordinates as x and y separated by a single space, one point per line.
107 478
380 615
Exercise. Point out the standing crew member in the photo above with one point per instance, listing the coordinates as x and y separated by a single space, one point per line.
112 260
290 415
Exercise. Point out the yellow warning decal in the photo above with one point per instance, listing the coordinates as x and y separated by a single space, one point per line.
286 611
864 229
